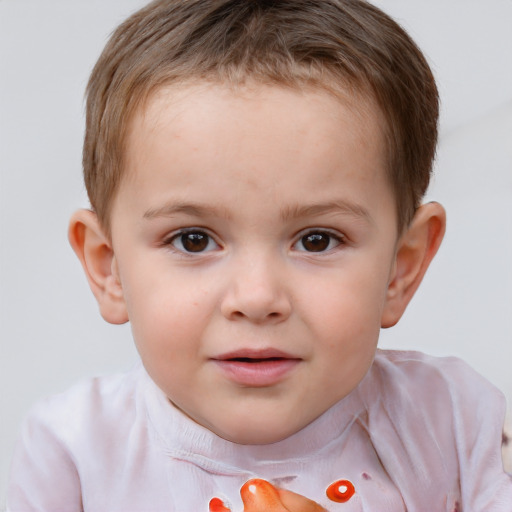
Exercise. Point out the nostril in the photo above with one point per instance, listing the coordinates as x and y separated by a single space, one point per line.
254 307
272 315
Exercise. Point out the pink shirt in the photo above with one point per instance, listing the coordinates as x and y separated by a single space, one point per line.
418 434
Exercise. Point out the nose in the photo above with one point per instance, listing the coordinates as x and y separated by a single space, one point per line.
256 292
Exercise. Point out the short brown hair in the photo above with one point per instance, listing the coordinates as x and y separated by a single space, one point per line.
288 42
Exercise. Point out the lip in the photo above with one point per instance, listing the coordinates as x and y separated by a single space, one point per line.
256 368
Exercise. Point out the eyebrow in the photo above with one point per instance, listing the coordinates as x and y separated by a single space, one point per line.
287 213
345 207
194 210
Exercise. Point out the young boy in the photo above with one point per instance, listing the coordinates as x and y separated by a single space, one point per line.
255 170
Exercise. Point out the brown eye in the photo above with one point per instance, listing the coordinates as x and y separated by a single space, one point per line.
318 241
315 242
193 242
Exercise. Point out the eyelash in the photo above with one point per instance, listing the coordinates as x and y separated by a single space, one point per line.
337 238
202 237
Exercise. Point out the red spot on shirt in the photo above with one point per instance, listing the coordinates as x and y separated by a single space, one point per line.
340 491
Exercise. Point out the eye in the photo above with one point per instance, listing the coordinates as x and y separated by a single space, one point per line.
318 241
193 241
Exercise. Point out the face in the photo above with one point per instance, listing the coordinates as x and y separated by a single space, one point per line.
254 237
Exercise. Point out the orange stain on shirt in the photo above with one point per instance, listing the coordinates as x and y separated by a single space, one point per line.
217 505
340 491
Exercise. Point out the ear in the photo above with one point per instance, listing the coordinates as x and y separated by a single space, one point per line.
416 249
94 251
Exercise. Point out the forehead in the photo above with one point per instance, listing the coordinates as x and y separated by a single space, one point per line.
253 130
190 104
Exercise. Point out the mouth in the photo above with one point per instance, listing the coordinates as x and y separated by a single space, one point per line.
252 355
256 368
255 359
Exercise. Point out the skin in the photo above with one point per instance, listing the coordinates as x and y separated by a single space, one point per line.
285 195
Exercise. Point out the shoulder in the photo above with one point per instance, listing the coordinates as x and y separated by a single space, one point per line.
444 393
424 373
87 410
58 436
446 420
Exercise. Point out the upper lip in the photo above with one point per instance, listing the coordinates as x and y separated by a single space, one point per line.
247 353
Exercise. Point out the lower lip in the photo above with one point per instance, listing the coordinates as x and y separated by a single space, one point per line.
260 374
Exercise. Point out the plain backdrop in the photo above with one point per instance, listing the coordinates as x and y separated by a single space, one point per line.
50 331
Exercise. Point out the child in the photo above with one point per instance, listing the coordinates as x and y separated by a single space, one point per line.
256 170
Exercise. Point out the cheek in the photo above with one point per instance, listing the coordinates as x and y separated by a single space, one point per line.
345 320
168 314
348 305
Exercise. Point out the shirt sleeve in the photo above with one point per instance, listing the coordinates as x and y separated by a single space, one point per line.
43 476
479 414
437 426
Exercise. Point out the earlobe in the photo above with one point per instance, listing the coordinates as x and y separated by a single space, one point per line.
94 251
416 249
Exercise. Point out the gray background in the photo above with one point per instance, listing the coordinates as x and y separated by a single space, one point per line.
50 331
